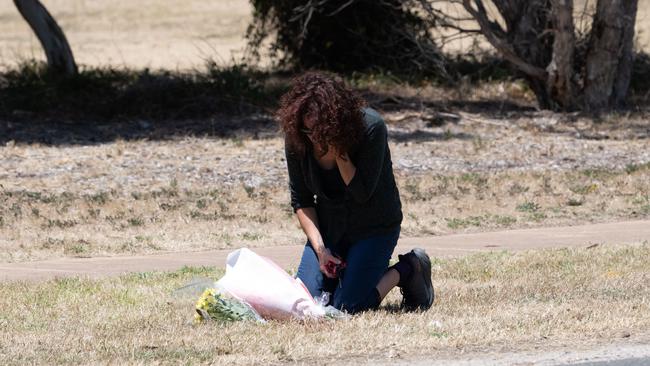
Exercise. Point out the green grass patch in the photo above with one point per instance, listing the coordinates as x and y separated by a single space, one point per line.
633 168
528 206
136 221
645 209
461 223
482 220
504 220
61 224
98 198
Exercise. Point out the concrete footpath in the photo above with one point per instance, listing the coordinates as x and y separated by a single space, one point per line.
288 256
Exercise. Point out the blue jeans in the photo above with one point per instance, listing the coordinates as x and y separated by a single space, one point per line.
355 289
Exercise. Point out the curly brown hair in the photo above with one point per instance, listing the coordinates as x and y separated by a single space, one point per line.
336 108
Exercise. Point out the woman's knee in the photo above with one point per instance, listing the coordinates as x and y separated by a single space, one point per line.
309 271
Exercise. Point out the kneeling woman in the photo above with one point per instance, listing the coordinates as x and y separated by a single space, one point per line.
344 194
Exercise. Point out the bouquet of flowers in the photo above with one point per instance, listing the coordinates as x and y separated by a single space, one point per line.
214 305
255 288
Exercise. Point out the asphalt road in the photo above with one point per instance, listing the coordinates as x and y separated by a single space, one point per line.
615 353
644 361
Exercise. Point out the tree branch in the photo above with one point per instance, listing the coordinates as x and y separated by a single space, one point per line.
56 46
494 34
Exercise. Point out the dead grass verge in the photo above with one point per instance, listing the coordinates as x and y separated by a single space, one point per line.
40 225
506 301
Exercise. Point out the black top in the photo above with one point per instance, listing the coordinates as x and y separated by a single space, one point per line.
333 184
369 205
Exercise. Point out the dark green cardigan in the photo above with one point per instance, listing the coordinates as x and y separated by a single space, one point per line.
371 204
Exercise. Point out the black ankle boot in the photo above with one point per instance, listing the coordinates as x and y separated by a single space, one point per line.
417 288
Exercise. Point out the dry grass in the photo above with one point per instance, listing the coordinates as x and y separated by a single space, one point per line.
154 34
194 194
201 193
170 34
38 224
172 193
489 201
498 300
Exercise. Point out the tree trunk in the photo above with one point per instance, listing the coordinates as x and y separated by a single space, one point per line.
610 55
523 41
560 69
57 50
526 28
539 40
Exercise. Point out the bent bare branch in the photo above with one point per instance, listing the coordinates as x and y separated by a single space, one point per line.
56 47
491 31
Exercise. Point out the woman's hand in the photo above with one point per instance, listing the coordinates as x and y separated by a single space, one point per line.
339 155
325 258
327 262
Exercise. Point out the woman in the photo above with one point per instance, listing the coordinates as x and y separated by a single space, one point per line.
344 194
